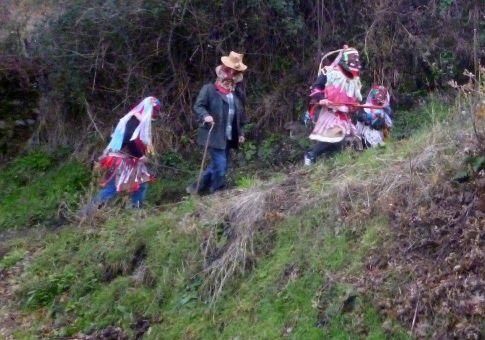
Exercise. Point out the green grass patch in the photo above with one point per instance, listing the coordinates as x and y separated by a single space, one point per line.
280 297
128 268
34 186
12 258
434 110
246 182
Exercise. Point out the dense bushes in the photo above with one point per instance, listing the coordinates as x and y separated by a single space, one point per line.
103 56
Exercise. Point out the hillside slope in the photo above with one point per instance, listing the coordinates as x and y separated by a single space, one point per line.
384 243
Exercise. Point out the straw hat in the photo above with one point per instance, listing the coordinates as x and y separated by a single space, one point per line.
234 61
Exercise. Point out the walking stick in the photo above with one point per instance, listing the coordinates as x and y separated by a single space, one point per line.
363 106
204 157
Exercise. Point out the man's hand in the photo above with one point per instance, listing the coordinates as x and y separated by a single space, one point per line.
325 102
209 119
241 139
330 104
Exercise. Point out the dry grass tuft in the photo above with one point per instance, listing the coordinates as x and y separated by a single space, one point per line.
240 215
233 218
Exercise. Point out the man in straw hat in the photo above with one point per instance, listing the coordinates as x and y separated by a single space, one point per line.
220 111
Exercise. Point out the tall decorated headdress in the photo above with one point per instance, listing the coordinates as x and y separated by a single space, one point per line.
339 86
143 112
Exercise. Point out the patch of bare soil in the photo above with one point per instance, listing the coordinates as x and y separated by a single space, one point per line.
431 276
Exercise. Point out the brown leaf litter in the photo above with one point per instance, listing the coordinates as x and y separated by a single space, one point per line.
430 275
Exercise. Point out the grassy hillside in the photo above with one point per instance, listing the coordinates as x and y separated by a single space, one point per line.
33 186
325 252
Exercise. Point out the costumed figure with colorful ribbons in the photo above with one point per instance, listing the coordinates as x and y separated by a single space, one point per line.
335 95
124 159
220 111
374 124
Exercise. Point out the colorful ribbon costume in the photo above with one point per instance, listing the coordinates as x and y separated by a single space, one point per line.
372 123
342 86
123 158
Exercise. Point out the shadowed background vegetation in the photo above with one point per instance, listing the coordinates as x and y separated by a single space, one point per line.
75 66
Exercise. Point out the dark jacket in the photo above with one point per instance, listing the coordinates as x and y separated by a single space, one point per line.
211 102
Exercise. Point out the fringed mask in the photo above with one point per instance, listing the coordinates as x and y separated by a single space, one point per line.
350 61
144 112
379 95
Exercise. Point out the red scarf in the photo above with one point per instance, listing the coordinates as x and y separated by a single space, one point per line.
221 89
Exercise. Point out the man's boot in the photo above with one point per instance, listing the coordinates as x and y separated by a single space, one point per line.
203 185
218 184
309 158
